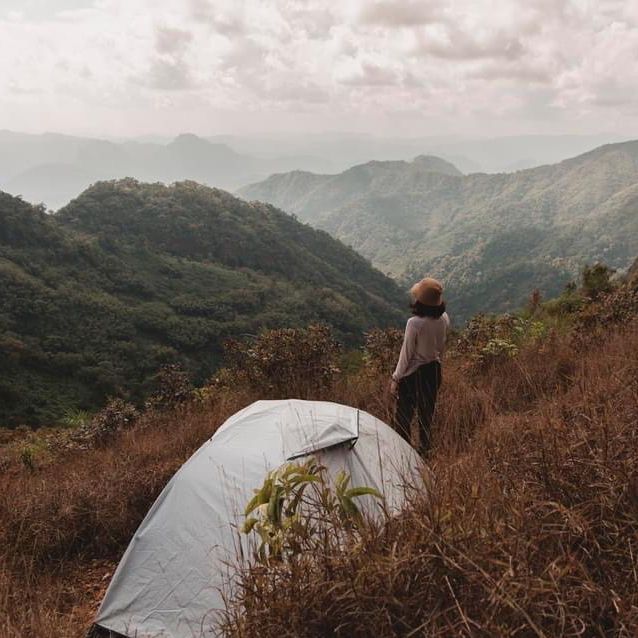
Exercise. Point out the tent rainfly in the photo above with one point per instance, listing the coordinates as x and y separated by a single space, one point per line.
169 580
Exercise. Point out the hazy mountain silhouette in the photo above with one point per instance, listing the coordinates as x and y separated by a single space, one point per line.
54 168
470 155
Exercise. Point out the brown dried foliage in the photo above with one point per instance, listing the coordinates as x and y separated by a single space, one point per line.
531 527
533 531
283 363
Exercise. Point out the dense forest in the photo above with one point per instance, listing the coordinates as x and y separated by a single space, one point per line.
131 276
490 238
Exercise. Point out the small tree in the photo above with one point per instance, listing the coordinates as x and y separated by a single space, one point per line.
172 386
596 280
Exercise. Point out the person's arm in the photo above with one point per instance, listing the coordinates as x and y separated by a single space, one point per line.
407 350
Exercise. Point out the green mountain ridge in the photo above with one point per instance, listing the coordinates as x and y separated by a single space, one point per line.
129 276
491 237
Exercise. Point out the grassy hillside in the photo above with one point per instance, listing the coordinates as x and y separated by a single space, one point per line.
130 276
491 238
529 528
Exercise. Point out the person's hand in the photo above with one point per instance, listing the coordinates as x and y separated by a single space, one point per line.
394 388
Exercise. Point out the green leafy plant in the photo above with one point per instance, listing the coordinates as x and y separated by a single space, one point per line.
498 348
277 514
348 509
489 339
75 418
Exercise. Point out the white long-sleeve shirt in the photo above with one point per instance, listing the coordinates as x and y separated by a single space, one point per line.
424 342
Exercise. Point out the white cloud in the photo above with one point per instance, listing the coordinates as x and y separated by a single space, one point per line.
168 75
400 13
172 41
370 74
135 66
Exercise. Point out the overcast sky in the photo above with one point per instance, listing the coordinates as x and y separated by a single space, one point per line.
392 67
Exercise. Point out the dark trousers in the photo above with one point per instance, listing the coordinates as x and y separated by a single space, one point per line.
418 392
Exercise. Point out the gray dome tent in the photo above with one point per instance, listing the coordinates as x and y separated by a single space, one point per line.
168 581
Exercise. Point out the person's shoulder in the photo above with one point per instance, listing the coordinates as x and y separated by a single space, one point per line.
446 319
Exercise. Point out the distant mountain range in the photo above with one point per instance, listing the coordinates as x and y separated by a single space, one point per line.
468 154
94 298
54 168
491 238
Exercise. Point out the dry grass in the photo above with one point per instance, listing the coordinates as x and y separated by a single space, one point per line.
85 507
531 530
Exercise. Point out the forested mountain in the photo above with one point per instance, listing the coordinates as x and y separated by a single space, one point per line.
491 238
129 276
54 168
312 197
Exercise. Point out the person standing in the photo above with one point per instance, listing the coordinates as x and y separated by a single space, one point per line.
417 377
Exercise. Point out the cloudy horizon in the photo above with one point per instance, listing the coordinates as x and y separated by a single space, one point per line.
142 67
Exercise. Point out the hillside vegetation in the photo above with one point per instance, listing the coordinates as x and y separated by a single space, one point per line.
129 277
490 238
530 526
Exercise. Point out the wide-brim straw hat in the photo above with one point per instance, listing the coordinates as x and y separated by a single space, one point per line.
428 291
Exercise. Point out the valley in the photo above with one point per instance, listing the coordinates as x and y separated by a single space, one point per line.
492 238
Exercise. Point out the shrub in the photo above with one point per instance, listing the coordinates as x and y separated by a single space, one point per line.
619 306
116 415
172 387
284 363
488 340
596 280
381 350
567 304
